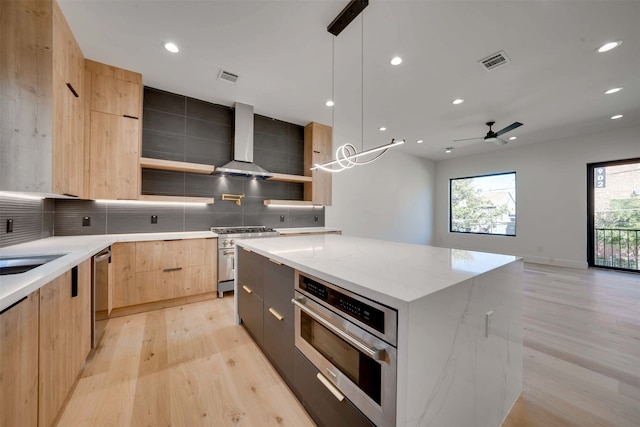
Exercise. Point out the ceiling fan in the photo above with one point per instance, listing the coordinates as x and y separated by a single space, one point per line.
492 136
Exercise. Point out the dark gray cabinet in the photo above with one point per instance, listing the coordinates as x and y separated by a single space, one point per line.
265 290
323 407
278 317
250 288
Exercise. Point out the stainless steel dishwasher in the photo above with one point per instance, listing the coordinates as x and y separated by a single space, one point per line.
100 289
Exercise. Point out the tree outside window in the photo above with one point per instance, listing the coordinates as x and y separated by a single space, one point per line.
483 204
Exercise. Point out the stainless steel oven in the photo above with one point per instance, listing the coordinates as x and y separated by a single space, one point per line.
352 341
227 237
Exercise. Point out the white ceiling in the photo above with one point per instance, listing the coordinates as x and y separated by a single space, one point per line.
283 54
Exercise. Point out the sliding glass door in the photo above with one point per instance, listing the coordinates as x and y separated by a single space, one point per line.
614 215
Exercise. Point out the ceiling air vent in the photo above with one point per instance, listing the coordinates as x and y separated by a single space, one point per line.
228 77
494 61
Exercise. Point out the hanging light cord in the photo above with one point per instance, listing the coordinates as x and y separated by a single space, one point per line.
347 155
362 83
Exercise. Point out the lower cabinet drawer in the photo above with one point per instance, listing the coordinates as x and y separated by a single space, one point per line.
250 312
323 407
279 341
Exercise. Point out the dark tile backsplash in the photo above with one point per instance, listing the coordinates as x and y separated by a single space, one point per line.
179 128
32 219
115 217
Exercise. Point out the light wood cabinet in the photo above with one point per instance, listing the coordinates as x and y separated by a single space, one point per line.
19 363
68 144
113 159
113 136
68 60
64 339
317 150
146 272
43 83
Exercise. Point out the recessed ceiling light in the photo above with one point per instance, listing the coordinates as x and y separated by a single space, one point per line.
396 60
512 138
171 47
617 116
329 103
608 46
419 141
457 101
448 149
613 90
382 128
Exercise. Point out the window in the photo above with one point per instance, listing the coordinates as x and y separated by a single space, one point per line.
483 204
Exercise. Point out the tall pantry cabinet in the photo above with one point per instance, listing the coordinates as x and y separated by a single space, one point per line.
42 90
113 135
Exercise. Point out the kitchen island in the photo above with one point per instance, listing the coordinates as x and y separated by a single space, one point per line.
459 327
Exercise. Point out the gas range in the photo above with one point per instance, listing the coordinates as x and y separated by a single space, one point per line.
226 235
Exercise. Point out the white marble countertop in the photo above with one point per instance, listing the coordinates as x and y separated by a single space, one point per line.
80 248
392 273
75 249
306 230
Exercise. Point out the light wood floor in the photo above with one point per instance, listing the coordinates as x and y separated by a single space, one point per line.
189 366
581 349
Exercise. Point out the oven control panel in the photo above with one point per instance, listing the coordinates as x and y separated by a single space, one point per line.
353 307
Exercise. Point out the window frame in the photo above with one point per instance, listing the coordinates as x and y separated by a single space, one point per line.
515 186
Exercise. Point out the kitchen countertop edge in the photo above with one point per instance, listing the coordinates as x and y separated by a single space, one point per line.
76 249
352 274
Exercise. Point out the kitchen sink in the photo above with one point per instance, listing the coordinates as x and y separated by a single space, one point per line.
17 265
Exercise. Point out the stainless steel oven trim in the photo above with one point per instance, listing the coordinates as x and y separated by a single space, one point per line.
374 353
102 256
390 334
383 415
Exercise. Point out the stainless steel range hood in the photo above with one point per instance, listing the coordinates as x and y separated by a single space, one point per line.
242 163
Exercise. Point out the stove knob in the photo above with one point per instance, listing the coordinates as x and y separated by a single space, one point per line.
225 243
232 242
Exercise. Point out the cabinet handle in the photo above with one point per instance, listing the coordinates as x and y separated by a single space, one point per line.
165 270
274 261
374 353
129 117
171 240
73 91
246 289
248 250
13 305
333 389
74 282
276 314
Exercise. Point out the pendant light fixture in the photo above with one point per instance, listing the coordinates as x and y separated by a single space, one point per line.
347 156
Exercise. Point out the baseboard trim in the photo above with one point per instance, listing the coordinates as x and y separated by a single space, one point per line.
141 308
556 262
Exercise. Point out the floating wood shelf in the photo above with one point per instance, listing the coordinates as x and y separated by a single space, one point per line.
178 199
284 203
172 165
289 178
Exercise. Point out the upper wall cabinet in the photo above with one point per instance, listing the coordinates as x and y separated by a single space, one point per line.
113 135
42 90
317 150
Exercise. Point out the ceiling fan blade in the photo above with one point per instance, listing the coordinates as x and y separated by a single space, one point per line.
468 139
499 141
509 128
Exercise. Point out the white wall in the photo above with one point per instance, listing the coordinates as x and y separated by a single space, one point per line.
390 199
551 195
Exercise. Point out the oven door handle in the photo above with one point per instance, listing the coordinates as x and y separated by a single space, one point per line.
374 353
